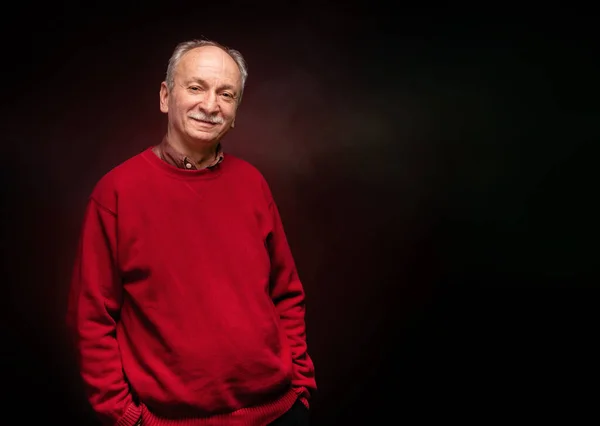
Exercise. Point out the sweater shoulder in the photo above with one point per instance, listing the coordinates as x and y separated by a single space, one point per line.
250 174
244 167
118 179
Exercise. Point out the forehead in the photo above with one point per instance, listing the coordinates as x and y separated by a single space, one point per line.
208 62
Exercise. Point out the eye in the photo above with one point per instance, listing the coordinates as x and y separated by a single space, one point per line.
228 95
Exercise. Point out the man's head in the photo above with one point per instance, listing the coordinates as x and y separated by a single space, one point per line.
202 91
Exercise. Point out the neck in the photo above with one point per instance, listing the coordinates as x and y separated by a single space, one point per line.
201 152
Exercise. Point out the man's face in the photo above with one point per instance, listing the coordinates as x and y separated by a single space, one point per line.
202 105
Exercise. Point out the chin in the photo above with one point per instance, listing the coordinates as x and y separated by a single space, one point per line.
205 139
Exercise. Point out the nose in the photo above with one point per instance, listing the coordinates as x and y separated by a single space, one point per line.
209 102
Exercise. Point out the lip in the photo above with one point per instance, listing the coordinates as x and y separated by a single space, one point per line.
204 123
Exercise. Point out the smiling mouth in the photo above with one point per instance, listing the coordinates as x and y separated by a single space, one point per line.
207 123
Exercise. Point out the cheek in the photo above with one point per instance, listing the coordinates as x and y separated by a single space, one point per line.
228 113
183 105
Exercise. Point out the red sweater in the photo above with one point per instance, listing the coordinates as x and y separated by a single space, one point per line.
185 304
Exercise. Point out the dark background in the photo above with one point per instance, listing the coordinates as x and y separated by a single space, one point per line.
433 169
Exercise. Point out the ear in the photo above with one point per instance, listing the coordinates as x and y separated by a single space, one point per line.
164 97
233 124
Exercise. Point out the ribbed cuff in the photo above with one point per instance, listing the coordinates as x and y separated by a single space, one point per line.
303 395
131 416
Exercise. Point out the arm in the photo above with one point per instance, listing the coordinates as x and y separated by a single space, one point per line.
288 296
93 307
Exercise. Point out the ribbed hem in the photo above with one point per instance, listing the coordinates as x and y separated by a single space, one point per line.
253 416
131 416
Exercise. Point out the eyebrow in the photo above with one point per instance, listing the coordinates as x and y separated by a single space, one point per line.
221 87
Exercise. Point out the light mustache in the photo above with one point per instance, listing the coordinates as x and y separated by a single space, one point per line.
204 117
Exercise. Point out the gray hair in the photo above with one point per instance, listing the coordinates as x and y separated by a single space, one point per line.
186 46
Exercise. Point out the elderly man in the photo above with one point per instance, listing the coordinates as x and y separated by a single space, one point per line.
185 305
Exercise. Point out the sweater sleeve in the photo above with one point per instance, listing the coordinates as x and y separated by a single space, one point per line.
93 309
288 296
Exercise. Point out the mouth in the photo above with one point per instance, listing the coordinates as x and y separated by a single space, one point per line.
204 122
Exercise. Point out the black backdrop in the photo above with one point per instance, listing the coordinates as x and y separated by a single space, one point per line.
433 170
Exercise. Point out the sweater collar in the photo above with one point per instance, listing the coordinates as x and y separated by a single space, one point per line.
170 155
